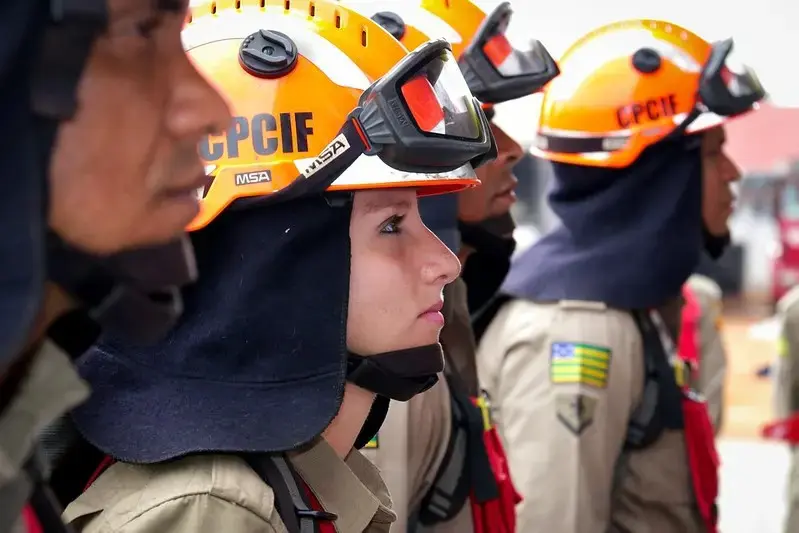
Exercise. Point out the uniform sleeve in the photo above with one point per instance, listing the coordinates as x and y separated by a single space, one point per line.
563 398
410 447
712 355
786 375
429 429
196 513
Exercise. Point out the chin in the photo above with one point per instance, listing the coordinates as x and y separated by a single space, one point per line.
430 339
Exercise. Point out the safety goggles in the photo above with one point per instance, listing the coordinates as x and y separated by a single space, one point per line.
496 70
727 88
420 118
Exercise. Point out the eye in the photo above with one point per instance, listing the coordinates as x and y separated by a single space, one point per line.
393 225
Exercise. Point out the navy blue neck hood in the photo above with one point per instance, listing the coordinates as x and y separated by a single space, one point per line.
628 237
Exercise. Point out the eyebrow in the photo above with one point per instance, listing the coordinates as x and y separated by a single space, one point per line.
373 206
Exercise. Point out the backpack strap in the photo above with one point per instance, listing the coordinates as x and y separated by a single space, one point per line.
290 500
465 467
644 428
450 489
661 404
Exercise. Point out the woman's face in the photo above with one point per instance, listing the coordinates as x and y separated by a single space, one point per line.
397 275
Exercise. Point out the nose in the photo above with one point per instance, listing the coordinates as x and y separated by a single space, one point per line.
509 152
440 266
731 171
196 109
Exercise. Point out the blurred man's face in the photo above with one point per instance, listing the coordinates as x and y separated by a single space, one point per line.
125 169
718 174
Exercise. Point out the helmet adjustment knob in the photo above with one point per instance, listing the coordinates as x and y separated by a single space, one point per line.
391 22
268 54
647 61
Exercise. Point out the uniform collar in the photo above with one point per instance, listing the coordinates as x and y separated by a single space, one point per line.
352 489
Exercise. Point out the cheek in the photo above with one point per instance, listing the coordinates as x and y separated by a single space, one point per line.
118 142
709 183
126 105
472 202
473 198
103 171
378 290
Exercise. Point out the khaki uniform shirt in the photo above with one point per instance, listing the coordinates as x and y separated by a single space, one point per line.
786 375
410 447
564 379
412 442
221 493
712 355
786 391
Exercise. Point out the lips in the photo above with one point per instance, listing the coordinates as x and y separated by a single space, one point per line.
200 182
433 315
510 183
506 192
435 308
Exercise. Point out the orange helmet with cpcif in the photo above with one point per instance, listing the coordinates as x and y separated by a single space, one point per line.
323 98
628 85
494 68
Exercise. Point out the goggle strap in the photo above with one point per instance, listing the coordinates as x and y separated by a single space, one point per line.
347 146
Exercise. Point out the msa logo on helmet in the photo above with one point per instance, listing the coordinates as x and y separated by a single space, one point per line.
647 110
266 135
248 178
329 154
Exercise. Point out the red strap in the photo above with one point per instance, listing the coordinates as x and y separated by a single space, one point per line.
322 525
785 430
497 515
700 443
688 344
703 459
32 524
102 467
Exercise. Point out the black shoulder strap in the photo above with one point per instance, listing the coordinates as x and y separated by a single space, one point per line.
661 404
465 467
450 489
483 317
290 500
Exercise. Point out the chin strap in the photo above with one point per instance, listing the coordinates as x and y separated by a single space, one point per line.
398 375
715 245
374 421
135 294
